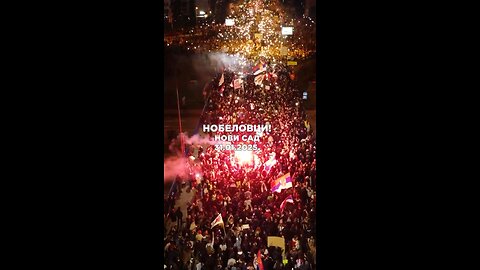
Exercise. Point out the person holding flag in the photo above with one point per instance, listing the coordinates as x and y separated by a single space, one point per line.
284 182
289 199
259 68
259 260
230 221
258 263
270 163
218 221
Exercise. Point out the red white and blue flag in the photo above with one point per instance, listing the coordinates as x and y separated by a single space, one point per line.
259 260
289 199
283 182
269 164
217 221
259 68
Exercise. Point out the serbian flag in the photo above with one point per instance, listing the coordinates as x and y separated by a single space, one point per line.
269 164
283 182
262 69
289 199
259 68
259 260
218 220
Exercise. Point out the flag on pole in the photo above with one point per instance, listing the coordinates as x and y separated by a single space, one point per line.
289 199
269 164
259 260
284 182
258 68
222 79
218 220
262 69
259 79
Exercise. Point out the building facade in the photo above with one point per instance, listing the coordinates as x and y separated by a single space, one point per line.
311 8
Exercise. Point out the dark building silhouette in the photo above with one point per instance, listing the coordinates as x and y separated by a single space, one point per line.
191 12
311 8
183 13
294 7
219 10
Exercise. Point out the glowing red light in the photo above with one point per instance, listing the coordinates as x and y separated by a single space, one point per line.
244 157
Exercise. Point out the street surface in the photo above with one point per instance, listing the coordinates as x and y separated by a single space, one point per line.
185 197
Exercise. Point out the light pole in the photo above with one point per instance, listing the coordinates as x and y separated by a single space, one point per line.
179 115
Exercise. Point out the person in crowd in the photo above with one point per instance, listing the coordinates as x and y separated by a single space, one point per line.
179 216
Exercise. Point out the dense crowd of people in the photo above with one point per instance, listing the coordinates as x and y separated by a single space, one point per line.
241 192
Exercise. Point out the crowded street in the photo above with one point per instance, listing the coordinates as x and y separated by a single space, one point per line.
246 203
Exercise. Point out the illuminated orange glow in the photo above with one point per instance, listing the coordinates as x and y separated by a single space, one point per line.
256 32
244 157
